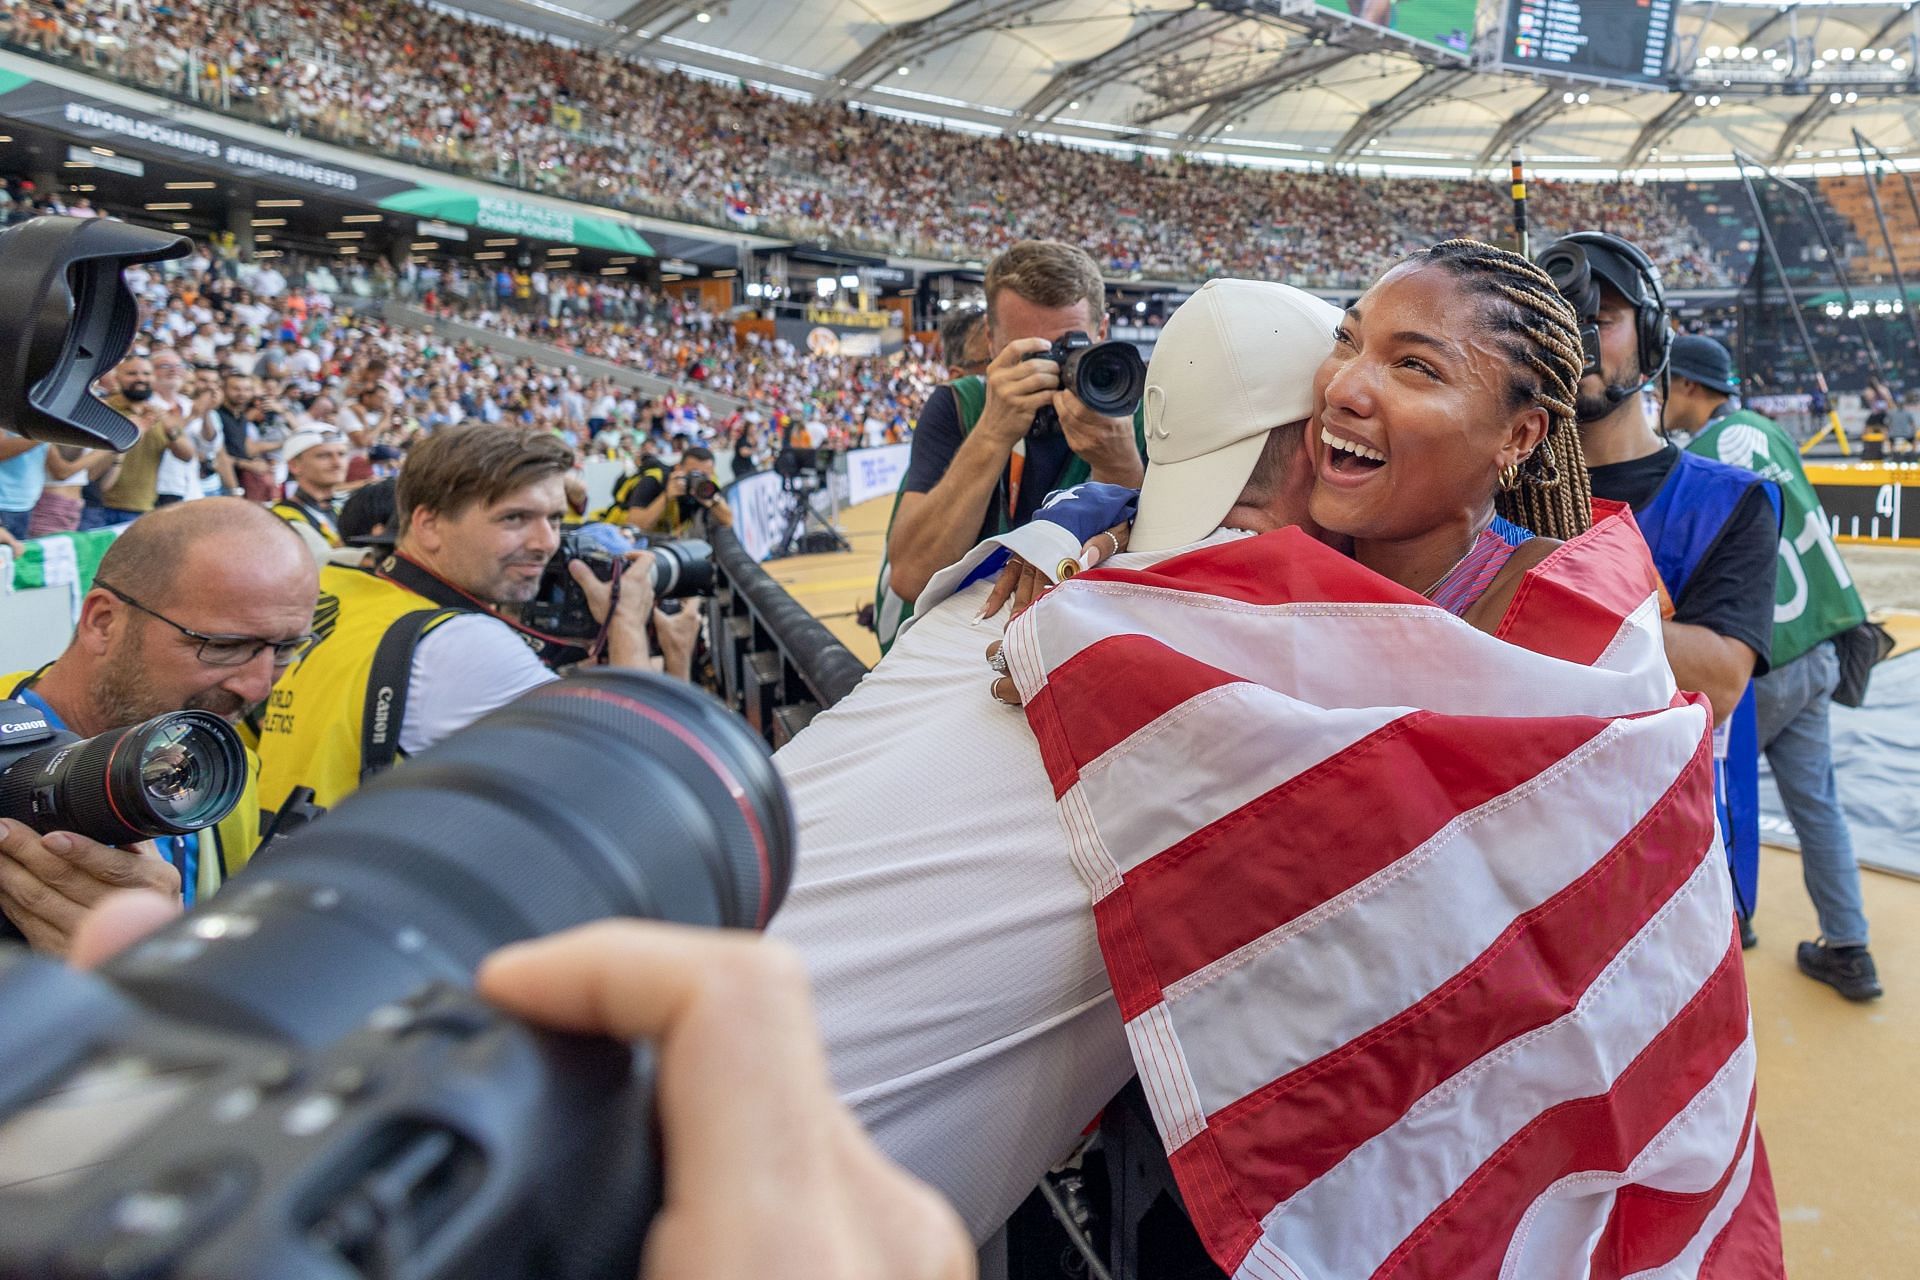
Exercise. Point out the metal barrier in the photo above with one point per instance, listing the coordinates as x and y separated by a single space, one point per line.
773 662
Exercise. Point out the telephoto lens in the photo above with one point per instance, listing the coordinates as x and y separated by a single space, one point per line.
295 1080
174 774
682 568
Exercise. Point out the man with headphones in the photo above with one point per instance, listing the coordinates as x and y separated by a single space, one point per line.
1714 529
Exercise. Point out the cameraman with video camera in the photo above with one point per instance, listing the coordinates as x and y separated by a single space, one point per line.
429 638
988 450
673 502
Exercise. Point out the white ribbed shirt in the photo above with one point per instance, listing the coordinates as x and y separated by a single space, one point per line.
966 1009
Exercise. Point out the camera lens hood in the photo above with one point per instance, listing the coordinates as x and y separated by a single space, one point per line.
66 317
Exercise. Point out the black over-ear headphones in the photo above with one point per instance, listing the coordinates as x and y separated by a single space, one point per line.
1568 262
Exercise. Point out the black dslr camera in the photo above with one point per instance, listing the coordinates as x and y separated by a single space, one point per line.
559 607
295 1080
1109 377
174 774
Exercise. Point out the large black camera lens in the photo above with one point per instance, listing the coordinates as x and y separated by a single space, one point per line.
174 774
614 793
1110 378
682 568
1567 266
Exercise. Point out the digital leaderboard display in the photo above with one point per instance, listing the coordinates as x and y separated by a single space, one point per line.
1624 40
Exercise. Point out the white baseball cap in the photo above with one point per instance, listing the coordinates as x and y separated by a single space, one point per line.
1234 362
301 441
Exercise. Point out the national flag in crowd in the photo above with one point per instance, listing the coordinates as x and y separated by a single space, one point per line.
1422 936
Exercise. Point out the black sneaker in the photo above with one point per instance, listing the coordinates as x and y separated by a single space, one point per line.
1748 938
1848 970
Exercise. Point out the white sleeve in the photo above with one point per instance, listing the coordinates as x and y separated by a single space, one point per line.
957 974
462 669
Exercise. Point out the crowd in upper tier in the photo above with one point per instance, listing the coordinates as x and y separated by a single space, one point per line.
399 78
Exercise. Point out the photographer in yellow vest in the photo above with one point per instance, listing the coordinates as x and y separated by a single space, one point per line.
197 606
426 640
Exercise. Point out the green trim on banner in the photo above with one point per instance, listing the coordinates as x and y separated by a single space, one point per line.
518 218
11 80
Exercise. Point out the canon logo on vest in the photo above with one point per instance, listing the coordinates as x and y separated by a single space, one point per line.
24 726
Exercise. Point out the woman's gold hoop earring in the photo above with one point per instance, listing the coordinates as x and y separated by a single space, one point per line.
1510 477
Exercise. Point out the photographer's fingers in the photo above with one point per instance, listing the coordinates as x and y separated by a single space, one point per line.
747 1111
732 1017
118 921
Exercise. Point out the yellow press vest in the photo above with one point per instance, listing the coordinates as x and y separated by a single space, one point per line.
235 836
294 513
310 734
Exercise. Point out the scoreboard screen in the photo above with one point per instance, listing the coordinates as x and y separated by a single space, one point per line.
1622 40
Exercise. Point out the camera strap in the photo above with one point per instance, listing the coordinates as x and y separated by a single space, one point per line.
553 651
387 683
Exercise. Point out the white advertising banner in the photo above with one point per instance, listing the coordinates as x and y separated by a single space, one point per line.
759 512
872 473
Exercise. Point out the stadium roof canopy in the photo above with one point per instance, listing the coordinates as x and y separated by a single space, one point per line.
1299 82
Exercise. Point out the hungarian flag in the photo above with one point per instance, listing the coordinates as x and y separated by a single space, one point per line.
1423 937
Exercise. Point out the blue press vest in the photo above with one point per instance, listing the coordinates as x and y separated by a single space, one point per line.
1681 525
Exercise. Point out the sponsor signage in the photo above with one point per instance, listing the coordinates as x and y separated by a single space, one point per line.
680 266
440 230
518 218
874 473
837 319
95 121
112 164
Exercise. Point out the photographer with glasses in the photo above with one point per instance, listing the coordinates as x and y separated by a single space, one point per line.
197 606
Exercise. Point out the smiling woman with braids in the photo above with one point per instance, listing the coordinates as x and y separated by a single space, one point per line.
1448 452
1443 445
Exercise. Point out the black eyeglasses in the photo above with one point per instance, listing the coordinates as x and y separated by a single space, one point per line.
220 651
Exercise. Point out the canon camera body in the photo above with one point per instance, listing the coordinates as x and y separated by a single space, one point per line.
296 1080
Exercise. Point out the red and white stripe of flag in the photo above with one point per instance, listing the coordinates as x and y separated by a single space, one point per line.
1422 936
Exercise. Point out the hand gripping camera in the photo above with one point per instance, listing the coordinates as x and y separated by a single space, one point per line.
295 1080
1109 377
559 607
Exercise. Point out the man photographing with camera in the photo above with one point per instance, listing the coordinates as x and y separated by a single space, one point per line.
987 450
428 639
672 502
198 606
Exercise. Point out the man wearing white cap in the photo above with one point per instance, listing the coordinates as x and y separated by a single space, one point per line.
967 1009
317 464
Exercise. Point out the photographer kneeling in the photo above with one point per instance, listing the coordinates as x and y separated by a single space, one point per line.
428 639
196 607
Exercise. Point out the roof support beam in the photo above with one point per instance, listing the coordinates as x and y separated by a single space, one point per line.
1659 129
1290 70
1166 34
910 40
1523 123
1436 82
1802 126
647 16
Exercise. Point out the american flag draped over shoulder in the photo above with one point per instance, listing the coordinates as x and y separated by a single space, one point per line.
1423 937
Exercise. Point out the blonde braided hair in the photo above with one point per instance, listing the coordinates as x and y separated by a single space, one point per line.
1538 332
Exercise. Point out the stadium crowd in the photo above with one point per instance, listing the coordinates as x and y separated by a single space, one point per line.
426 86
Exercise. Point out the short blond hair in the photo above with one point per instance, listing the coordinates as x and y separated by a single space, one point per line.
1048 273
